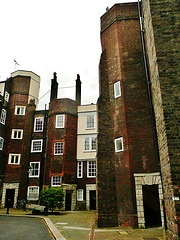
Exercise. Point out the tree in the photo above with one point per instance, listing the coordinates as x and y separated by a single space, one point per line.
52 197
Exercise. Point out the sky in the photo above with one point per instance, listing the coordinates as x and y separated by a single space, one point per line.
59 36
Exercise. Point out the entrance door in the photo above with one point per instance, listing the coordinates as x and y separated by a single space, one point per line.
10 195
68 201
92 199
152 212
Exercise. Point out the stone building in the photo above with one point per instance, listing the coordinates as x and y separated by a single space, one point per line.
138 117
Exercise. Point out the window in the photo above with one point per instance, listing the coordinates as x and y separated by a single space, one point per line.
119 144
34 169
33 193
60 119
79 169
3 116
38 124
79 194
36 145
90 121
17 134
91 169
58 148
14 159
90 143
117 89
6 97
56 181
20 110
1 143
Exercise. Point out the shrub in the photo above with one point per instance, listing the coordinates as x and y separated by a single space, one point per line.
53 197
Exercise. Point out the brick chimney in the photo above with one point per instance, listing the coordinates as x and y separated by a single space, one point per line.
54 87
78 90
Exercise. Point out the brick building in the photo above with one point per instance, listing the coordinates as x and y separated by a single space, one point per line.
38 147
138 117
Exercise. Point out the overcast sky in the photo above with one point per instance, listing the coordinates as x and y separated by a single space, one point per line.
60 36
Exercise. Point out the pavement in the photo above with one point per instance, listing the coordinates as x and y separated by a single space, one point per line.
80 225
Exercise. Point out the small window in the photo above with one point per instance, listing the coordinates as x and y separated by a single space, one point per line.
60 119
3 116
14 159
33 193
79 194
79 169
90 121
20 110
36 145
119 145
6 97
117 89
91 169
56 181
90 143
58 148
38 124
34 169
17 134
1 143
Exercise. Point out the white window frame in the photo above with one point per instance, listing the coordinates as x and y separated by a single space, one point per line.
22 110
117 149
89 173
80 169
90 139
3 116
90 122
32 145
32 170
36 195
1 143
36 125
60 123
80 194
17 134
6 97
55 148
12 155
117 89
54 179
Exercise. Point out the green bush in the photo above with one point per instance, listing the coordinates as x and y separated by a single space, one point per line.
53 197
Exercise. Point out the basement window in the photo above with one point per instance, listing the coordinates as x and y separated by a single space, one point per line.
119 144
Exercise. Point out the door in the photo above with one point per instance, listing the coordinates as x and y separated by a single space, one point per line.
92 194
152 212
10 195
68 201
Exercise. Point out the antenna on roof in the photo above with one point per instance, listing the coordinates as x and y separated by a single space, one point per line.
15 64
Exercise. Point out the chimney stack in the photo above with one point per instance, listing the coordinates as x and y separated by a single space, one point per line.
78 90
54 88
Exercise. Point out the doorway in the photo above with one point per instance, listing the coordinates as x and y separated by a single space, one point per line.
152 211
92 195
10 195
68 201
